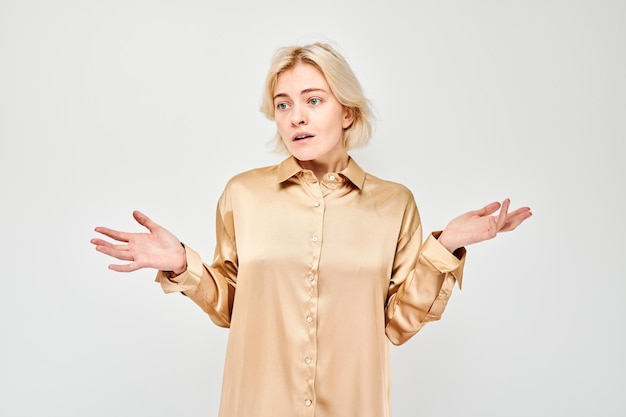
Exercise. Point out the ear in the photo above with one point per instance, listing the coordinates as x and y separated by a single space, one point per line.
348 117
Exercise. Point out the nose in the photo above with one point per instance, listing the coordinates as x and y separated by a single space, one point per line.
298 116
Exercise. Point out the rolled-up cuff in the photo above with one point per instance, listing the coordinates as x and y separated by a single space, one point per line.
186 281
441 259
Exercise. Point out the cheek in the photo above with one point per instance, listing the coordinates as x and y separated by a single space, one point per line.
279 125
282 132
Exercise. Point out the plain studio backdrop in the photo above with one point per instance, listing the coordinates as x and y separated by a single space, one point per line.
107 107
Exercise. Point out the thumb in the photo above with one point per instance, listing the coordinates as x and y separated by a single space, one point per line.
143 220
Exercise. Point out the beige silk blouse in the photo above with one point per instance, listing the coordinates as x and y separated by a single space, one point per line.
314 278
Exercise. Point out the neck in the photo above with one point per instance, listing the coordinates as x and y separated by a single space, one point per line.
320 168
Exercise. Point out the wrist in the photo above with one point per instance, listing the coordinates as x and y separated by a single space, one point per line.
445 241
182 264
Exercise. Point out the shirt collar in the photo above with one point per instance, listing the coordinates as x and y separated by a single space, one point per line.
290 167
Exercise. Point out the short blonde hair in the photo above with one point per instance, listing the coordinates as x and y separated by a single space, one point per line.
341 80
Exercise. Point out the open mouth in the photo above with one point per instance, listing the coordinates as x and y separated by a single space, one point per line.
302 136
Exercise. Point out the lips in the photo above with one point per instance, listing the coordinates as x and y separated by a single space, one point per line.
301 136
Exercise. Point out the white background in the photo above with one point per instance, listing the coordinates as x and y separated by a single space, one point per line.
106 107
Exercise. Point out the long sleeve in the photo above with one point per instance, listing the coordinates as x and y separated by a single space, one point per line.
211 287
326 272
421 285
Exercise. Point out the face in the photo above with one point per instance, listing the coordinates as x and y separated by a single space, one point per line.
309 118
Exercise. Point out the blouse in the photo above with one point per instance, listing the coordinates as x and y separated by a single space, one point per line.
314 278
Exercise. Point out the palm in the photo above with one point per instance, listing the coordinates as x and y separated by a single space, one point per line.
158 249
480 225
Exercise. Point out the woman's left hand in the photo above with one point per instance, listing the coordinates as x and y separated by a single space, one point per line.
479 225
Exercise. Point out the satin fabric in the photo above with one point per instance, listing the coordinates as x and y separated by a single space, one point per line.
314 279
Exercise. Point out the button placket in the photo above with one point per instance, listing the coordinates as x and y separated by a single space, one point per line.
310 280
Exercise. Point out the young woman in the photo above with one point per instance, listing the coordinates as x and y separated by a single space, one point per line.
318 264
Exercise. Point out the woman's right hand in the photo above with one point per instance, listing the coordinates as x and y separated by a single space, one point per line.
158 249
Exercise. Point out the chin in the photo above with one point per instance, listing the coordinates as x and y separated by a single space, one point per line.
302 156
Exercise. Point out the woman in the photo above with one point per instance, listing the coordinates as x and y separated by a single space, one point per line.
318 264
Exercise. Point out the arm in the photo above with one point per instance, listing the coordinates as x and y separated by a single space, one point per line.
423 295
422 281
180 268
211 287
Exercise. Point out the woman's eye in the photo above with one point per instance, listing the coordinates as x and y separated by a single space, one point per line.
315 101
281 106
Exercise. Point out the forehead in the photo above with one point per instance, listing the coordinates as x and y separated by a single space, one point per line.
298 78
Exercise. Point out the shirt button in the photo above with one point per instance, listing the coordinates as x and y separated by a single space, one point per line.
309 319
307 360
317 204
442 295
311 277
308 402
332 178
314 239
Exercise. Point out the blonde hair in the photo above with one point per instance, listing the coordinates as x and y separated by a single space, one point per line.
341 80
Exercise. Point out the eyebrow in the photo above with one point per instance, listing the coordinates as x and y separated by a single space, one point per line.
305 91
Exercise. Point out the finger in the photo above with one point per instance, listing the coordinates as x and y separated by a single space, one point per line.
144 220
123 255
124 268
516 218
487 210
113 234
100 242
502 217
520 211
